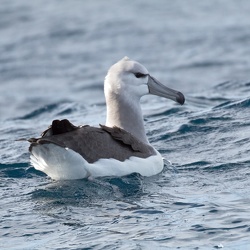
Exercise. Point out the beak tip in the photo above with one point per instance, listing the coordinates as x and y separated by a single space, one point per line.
181 98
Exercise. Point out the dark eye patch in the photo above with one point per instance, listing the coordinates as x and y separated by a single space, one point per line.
139 75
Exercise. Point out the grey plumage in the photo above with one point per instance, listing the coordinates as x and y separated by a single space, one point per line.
94 143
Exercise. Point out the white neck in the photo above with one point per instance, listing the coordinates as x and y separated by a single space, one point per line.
126 114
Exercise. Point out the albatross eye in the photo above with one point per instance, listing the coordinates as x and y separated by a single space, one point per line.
139 75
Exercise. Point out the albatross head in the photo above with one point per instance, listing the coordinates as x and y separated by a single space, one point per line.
130 78
126 82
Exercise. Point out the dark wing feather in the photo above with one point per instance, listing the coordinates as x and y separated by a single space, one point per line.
94 143
59 127
125 137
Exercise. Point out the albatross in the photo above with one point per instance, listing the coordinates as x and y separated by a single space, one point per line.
118 148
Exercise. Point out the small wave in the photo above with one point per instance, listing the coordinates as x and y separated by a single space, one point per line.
211 167
212 230
245 103
204 64
38 112
224 85
223 94
66 33
167 112
231 166
195 165
18 170
231 85
60 108
185 204
148 211
247 84
189 128
206 101
202 121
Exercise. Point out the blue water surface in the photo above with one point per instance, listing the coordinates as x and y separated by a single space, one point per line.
54 56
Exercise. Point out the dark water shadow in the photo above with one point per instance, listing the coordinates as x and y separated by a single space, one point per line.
86 192
19 170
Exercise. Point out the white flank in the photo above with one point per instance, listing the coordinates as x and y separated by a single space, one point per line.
64 164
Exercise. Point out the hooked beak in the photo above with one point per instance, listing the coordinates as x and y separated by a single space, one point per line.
156 88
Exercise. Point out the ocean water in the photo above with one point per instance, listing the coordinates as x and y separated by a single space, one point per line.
53 58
